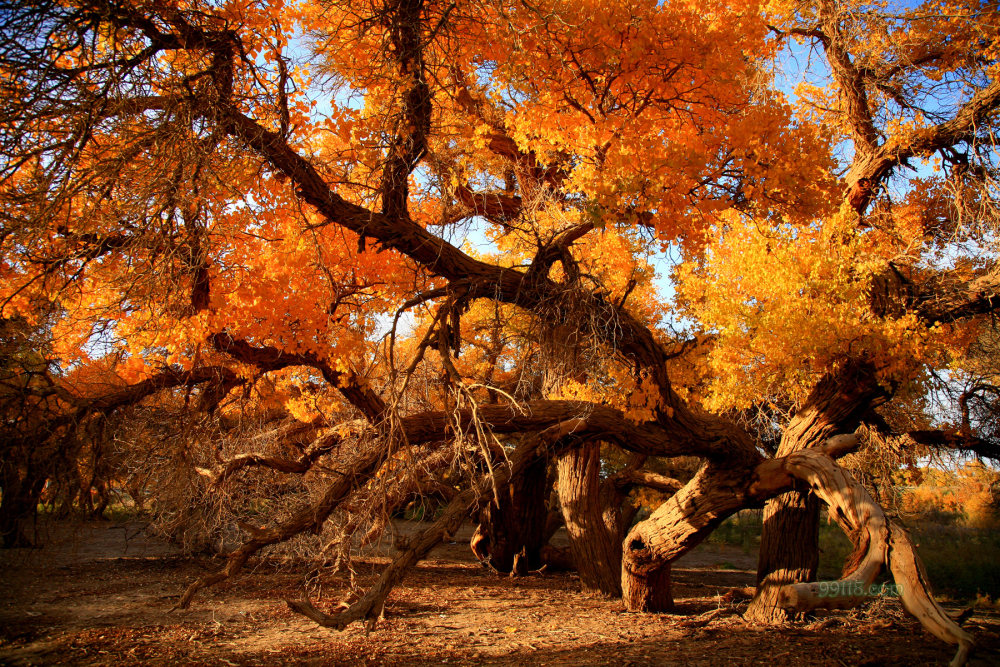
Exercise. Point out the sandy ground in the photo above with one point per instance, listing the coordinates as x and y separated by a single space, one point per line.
103 593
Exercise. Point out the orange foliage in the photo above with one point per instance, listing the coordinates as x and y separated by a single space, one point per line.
969 493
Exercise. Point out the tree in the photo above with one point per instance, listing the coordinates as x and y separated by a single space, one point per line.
261 187
898 240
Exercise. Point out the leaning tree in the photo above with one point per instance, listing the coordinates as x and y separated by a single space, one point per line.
437 225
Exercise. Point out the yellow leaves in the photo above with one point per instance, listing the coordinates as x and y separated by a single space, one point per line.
790 303
643 402
573 390
303 395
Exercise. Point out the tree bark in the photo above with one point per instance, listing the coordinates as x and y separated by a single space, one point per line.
676 526
789 552
789 544
877 544
516 526
648 589
595 530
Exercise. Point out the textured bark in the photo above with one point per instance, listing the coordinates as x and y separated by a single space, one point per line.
676 526
648 590
595 530
789 546
878 544
516 526
789 552
689 516
908 571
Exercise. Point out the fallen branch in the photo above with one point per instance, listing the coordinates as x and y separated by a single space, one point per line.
369 607
313 515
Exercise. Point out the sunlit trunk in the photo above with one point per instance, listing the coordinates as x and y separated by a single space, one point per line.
594 527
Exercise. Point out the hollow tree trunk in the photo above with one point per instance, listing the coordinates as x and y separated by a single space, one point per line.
594 527
675 527
512 533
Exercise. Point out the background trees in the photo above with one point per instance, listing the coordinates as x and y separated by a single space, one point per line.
229 195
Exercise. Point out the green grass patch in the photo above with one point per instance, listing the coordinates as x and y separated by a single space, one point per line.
962 563
740 530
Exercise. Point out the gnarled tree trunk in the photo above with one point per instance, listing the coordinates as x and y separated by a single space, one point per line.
878 544
513 532
789 551
676 526
594 524
789 544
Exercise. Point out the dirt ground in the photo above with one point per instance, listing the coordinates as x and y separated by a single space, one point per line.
102 594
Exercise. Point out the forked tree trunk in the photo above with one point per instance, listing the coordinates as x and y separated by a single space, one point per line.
593 524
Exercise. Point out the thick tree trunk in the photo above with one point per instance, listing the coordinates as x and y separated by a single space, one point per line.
675 527
789 552
648 589
514 530
595 529
789 544
18 506
877 544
